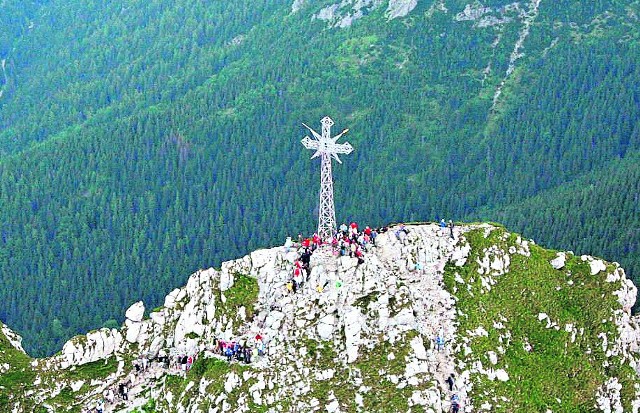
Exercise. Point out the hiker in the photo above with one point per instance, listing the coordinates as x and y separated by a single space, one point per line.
455 403
401 233
109 396
305 257
228 352
247 355
121 391
297 278
451 225
451 381
288 244
260 348
443 227
440 342
125 392
183 363
290 286
374 234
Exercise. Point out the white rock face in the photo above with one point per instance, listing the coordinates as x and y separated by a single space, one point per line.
400 8
597 266
608 397
418 348
388 301
344 13
352 328
135 313
97 345
502 375
14 339
325 327
559 261
297 5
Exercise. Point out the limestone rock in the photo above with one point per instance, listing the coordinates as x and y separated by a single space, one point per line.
559 261
394 302
14 339
135 312
400 8
597 266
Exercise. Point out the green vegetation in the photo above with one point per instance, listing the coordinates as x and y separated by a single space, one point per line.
140 141
18 378
149 407
555 373
95 370
243 293
374 366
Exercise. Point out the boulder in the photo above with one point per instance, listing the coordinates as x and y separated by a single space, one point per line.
135 312
597 266
325 327
559 261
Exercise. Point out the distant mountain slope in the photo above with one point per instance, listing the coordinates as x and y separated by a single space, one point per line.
140 141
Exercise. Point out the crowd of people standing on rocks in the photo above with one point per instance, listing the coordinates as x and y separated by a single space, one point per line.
348 240
240 350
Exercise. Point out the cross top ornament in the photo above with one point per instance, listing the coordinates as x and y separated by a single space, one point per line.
326 148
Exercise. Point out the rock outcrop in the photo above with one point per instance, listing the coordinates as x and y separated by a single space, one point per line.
391 328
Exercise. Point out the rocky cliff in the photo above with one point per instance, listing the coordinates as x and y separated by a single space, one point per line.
524 329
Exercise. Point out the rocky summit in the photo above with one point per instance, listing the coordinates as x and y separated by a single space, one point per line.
427 318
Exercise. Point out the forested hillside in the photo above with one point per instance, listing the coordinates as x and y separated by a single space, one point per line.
140 141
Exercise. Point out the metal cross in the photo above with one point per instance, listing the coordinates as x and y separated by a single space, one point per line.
326 147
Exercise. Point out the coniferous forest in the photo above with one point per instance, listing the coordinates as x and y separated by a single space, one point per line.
140 141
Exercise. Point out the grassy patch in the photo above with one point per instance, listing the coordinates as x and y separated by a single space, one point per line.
375 366
18 379
363 302
546 370
244 293
95 370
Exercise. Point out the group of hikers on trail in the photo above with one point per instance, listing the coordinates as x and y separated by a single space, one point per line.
352 242
455 399
347 241
240 351
444 226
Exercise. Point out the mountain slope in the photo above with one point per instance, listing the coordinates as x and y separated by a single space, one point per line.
599 213
527 329
140 140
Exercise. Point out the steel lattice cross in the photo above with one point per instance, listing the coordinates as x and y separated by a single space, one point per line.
326 147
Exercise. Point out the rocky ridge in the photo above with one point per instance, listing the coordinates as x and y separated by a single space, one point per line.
364 339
